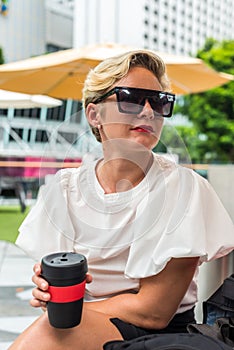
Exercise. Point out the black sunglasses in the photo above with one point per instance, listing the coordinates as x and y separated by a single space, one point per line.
132 100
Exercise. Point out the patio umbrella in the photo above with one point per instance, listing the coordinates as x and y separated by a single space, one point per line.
61 74
9 99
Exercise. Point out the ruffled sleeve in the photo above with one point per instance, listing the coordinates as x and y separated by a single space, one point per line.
48 227
183 218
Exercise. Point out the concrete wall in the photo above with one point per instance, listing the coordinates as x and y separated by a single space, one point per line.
59 24
212 274
98 21
221 178
22 30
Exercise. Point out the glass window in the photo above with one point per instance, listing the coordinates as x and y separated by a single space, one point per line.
41 136
3 112
33 113
69 136
76 112
18 131
57 113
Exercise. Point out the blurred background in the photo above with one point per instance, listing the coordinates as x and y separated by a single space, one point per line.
37 139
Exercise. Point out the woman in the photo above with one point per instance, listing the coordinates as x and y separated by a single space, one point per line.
142 222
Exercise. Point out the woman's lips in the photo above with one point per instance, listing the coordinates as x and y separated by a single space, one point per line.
143 128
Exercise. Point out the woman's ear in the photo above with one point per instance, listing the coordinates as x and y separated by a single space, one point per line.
92 114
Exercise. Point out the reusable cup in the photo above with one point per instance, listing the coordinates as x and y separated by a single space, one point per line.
66 274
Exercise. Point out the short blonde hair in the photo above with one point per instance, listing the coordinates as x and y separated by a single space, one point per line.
100 79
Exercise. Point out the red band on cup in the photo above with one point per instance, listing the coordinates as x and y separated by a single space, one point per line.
67 294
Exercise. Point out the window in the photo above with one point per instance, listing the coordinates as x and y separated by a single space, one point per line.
69 136
18 131
33 113
41 136
3 112
76 112
57 113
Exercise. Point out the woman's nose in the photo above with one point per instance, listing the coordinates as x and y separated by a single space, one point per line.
147 111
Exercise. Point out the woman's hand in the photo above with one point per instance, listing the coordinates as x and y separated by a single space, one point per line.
40 294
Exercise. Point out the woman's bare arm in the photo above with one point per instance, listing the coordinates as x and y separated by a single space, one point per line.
157 300
152 307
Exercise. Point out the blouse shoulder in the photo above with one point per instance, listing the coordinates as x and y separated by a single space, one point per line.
186 220
64 176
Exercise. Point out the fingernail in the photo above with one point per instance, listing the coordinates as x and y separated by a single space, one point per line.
43 285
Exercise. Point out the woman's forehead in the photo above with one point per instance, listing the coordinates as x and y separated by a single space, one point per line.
139 77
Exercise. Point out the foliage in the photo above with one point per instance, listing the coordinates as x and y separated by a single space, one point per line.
212 112
1 56
182 141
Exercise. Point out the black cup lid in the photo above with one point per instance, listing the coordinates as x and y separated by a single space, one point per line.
73 263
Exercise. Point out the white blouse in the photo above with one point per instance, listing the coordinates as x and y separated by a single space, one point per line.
126 236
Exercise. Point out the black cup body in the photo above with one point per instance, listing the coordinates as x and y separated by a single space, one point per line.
66 274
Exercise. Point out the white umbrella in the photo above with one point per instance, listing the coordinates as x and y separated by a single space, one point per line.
9 99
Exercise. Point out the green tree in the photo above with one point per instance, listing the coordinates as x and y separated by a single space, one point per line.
1 56
212 112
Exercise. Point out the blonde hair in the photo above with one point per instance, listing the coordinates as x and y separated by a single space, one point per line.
100 79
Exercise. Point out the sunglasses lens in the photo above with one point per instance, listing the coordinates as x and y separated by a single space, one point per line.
129 101
132 101
161 105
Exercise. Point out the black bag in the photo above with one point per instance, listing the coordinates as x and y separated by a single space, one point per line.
168 341
221 303
222 329
218 314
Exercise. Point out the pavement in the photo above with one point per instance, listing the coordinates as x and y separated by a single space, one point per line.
15 292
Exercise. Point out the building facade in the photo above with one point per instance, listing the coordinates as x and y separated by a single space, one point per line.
22 29
182 26
32 27
173 26
59 24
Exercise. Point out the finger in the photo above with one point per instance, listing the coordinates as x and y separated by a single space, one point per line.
38 303
37 269
40 282
89 278
40 295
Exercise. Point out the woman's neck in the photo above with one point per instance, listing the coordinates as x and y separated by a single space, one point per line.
119 175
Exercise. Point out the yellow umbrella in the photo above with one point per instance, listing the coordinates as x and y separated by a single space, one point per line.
61 74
